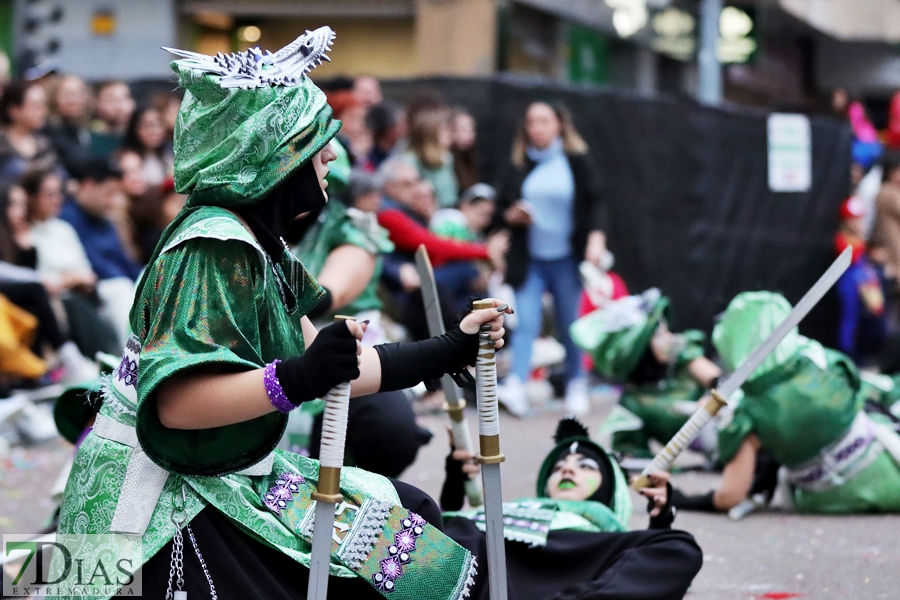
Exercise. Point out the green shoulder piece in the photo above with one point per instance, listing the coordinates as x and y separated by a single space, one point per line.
214 223
693 346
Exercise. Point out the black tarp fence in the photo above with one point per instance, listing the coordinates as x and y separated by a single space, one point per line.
687 190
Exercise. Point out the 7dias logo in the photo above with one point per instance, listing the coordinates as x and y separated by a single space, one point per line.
71 565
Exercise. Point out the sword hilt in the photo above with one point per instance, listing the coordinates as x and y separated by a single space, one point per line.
687 434
334 438
488 402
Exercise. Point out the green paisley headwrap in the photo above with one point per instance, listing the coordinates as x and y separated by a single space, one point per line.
748 320
617 335
232 146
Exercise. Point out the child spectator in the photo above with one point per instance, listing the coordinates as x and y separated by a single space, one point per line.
468 222
862 323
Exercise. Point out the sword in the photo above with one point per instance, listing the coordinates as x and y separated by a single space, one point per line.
455 406
328 492
490 458
718 397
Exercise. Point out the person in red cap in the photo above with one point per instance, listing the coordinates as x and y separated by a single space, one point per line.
862 328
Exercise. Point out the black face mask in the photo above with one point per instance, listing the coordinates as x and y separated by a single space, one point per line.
648 369
271 218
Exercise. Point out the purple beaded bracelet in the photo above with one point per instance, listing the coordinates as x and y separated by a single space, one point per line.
273 390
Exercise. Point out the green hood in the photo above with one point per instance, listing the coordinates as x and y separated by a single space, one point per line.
232 146
621 499
748 320
617 335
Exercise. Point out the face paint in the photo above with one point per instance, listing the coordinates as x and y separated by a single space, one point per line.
575 477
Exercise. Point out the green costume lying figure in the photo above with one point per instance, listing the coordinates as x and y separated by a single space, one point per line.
804 406
572 540
664 374
222 350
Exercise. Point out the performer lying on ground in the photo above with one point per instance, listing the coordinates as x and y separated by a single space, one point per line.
342 247
222 350
664 373
572 540
804 405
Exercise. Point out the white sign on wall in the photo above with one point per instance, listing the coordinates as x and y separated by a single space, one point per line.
790 153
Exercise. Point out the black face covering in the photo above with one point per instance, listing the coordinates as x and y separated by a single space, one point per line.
648 369
271 218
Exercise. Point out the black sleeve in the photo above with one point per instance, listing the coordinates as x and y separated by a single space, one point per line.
509 190
590 191
453 492
699 502
405 364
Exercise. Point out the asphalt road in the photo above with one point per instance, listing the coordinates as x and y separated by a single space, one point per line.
767 556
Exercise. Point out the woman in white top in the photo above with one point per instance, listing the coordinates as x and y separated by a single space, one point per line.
61 256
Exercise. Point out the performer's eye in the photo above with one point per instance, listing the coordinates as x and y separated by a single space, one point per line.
589 463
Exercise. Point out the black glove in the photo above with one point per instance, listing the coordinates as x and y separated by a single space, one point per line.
331 359
666 515
700 502
405 364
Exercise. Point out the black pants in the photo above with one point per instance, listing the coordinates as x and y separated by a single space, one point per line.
243 568
382 434
32 296
654 564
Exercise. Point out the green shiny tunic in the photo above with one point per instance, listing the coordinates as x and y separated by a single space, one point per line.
662 407
339 226
798 409
213 299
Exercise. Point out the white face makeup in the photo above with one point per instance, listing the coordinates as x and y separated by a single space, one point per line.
574 477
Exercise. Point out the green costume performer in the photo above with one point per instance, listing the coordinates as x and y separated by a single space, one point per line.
214 296
576 543
805 403
657 398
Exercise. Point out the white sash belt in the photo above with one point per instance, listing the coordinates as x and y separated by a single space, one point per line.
840 461
144 479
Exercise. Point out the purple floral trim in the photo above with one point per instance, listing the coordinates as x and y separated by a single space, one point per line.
283 491
404 543
127 372
273 390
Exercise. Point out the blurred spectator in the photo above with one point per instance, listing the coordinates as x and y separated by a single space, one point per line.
430 139
887 219
151 213
363 192
24 286
98 197
168 105
367 91
840 101
354 135
61 257
113 108
551 204
69 129
402 215
474 215
424 204
23 114
4 71
866 147
862 324
385 123
465 156
147 137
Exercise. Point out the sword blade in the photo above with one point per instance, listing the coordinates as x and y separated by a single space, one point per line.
493 517
320 556
809 300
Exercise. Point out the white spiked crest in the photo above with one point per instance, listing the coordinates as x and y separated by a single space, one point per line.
254 68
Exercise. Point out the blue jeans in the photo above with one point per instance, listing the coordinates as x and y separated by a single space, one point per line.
560 278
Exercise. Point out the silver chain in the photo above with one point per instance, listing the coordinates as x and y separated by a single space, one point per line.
176 566
212 588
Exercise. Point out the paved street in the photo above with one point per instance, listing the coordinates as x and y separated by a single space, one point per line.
766 556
